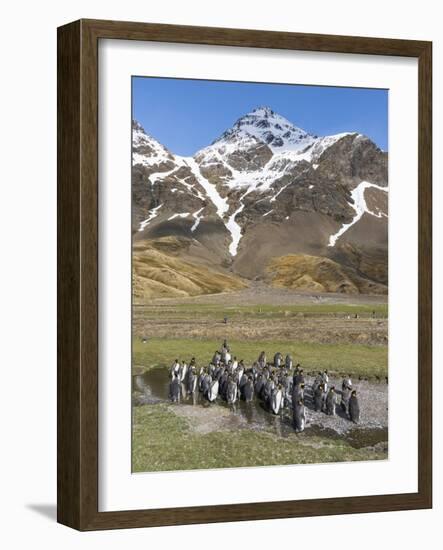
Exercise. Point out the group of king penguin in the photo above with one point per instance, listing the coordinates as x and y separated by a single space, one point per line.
278 384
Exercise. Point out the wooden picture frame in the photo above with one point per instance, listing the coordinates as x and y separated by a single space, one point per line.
78 273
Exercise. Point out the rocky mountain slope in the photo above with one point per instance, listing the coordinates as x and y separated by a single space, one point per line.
266 189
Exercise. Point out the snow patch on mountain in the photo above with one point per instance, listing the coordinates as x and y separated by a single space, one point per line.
197 218
158 176
360 207
220 203
183 215
319 146
153 213
236 231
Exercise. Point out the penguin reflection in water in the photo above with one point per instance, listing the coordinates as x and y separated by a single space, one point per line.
175 389
354 408
248 390
299 415
231 392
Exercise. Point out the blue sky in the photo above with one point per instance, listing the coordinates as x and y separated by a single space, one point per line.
186 115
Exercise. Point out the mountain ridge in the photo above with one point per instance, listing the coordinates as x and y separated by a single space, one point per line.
266 177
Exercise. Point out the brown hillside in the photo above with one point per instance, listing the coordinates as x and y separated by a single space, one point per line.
317 274
159 272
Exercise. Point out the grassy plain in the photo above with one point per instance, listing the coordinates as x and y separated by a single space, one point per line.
164 442
346 337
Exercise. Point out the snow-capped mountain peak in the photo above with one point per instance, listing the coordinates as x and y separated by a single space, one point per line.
271 129
146 150
262 170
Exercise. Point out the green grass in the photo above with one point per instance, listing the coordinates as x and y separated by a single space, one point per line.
354 359
163 441
219 311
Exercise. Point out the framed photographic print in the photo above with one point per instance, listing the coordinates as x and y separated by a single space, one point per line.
244 275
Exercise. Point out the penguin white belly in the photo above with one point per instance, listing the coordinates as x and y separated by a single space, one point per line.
235 395
276 401
184 371
213 391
